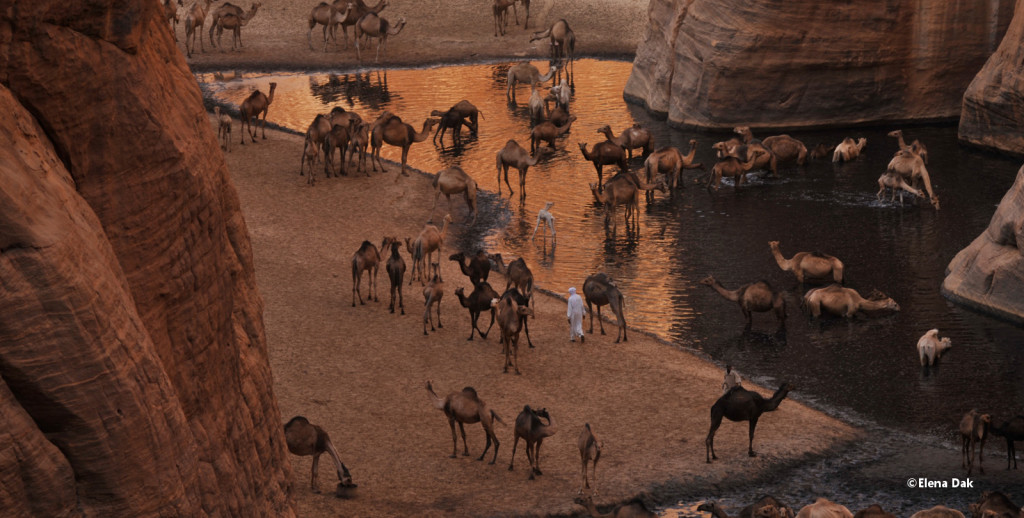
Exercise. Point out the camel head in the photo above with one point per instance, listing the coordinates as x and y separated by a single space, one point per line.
543 413
660 185
708 507
741 130
708 281
460 292
895 133
985 418
525 311
891 305
773 245
721 149
387 241
458 256
693 142
548 205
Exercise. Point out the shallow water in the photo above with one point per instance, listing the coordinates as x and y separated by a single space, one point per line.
866 371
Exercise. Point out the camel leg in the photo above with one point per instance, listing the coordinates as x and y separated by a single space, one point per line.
583 477
529 458
709 442
536 457
401 301
356 278
439 325
515 444
981 458
486 446
263 127
312 479
465 448
750 446
484 335
515 354
600 322
590 311
455 438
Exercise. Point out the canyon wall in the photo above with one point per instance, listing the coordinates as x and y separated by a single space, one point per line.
775 63
134 378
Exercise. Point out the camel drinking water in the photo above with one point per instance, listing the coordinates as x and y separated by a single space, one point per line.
910 165
753 297
845 302
466 407
848 150
894 181
454 120
631 509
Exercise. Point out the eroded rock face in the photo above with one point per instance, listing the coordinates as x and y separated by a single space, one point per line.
134 379
768 63
988 275
993 108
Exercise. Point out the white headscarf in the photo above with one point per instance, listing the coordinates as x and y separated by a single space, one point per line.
572 291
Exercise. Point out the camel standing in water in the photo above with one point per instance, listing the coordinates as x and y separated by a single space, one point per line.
894 181
1012 431
809 265
633 137
973 430
396 274
930 347
526 73
600 290
670 162
624 189
916 147
466 407
590 451
367 259
304 439
754 297
602 154
253 106
845 302
533 431
740 404
910 165
514 155
848 150
548 132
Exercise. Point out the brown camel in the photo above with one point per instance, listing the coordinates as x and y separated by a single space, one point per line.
821 151
305 438
535 104
357 143
341 117
367 259
451 119
740 404
232 22
511 318
315 134
732 167
466 407
809 266
360 9
939 511
844 302
477 302
823 508
754 297
526 5
916 147
624 189
514 155
590 451
338 138
432 294
631 138
1012 431
396 133
765 507
223 127
524 72
430 240
194 21
373 26
558 116
563 42
500 10
741 151
330 17
894 181
599 289
171 15
974 429
848 150
548 132
786 149
478 268
220 11
396 273
670 162
605 153
253 106
632 509
873 511
518 274
994 504
466 110
533 431
454 180
910 165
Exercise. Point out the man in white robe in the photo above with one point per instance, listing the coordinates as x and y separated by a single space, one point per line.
575 314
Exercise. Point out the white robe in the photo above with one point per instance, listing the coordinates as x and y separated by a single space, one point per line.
575 313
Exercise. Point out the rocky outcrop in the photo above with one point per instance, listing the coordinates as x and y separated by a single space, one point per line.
134 378
993 108
988 275
767 63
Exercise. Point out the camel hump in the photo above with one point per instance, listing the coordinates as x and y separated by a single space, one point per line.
470 392
817 253
364 246
296 419
254 95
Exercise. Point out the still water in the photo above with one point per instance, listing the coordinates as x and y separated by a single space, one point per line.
866 371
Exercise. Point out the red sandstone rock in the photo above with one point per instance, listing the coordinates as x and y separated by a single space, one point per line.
134 377
771 63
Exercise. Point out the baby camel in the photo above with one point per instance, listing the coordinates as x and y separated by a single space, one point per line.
590 451
894 181
432 294
545 217
305 438
930 347
466 407
223 127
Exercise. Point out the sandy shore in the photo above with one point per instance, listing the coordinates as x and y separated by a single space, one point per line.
359 371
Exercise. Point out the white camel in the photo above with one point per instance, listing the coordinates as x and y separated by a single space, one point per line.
930 347
545 217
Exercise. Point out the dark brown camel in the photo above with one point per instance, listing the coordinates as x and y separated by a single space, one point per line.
305 438
600 290
468 111
632 137
454 120
821 151
733 168
367 259
477 302
1012 431
532 430
753 297
477 268
548 132
604 153
338 138
740 404
632 509
974 429
396 273
466 407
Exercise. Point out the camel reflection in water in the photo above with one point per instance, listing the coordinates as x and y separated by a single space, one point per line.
369 89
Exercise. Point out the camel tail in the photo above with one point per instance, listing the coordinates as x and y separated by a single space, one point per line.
496 417
480 113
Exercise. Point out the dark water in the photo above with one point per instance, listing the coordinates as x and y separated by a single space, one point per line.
865 371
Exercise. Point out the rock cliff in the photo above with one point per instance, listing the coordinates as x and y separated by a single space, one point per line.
774 63
993 108
134 378
988 275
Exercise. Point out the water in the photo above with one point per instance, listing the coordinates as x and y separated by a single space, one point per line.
865 371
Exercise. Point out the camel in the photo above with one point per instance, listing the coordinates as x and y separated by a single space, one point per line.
561 94
670 162
330 17
524 72
765 507
631 509
558 116
253 106
511 318
367 259
517 273
930 347
598 290
341 117
223 127
994 504
451 119
732 167
477 302
602 154
740 404
526 5
500 10
809 265
234 23
844 302
894 181
939 511
973 430
822 508
630 138
756 296
466 407
310 155
624 189
454 180
466 110
821 151
544 217
548 132
533 432
429 241
315 134
478 268
535 104
338 138
359 10
396 274
359 139
848 150
786 149
396 133
373 26
171 15
909 165
305 438
227 8
916 147
514 155
194 21
874 511
432 294
563 42
590 451
743 149
1012 431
